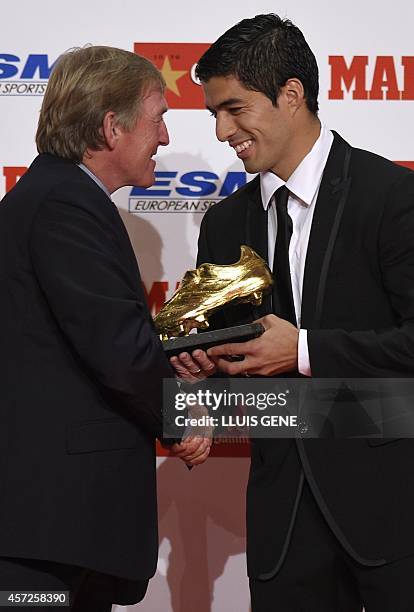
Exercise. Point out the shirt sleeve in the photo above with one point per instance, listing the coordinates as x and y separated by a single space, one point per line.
303 354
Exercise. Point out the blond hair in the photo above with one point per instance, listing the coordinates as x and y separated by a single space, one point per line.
84 85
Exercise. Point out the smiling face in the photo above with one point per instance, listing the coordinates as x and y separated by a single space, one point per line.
260 134
135 148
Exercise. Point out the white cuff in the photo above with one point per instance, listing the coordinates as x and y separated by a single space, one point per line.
303 353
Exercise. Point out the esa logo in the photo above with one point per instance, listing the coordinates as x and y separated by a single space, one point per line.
191 192
24 76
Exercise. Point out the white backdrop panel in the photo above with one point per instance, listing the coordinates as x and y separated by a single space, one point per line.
201 563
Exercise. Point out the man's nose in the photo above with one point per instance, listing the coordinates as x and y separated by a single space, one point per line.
225 128
164 138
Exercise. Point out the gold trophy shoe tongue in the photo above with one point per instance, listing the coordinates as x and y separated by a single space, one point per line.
209 287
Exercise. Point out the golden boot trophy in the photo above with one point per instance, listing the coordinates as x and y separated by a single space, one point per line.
205 290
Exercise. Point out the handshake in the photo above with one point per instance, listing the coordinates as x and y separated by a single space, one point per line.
274 352
196 443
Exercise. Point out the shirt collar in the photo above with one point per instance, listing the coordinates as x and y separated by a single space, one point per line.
304 182
95 178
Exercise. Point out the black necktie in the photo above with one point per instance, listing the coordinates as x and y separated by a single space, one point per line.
283 304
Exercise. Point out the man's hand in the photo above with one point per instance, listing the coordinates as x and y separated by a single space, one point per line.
192 450
193 368
196 443
274 352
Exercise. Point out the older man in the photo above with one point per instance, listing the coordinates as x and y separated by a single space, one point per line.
81 365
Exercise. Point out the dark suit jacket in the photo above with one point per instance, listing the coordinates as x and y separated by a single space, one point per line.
81 379
358 305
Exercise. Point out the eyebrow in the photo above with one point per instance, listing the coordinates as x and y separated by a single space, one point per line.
227 102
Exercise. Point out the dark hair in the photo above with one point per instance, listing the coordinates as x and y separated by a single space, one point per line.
263 53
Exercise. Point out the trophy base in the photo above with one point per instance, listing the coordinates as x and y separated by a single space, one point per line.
205 340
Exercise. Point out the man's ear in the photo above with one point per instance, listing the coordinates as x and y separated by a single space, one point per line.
111 130
294 94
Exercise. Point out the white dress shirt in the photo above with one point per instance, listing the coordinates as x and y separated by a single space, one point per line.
303 185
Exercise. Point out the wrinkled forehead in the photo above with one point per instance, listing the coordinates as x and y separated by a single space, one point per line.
154 100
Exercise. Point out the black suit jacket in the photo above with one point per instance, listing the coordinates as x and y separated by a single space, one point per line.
81 379
358 308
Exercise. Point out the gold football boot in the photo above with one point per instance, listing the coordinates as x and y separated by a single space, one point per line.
209 287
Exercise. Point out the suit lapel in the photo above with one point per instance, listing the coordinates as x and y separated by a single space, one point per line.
256 238
329 206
